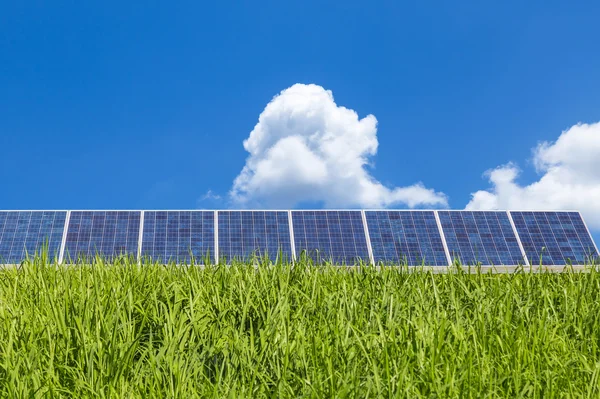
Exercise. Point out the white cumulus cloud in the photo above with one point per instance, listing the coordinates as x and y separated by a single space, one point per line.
570 178
306 148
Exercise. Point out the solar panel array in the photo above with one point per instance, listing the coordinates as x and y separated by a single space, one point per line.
177 236
23 233
412 237
554 237
105 233
336 236
254 233
481 237
342 237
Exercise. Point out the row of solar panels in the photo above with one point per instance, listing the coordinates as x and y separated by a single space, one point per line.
433 238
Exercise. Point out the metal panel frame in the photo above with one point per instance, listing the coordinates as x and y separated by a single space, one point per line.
140 237
512 223
63 243
216 233
444 243
293 244
367 236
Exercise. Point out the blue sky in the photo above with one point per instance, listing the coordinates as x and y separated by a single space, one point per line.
147 106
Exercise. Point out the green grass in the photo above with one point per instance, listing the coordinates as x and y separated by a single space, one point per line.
124 330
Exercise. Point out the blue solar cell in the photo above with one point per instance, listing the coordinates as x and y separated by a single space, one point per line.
177 236
410 237
106 233
24 233
262 233
557 238
336 236
481 237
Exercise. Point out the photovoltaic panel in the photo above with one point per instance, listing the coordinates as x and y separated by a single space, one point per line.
337 236
106 233
26 232
556 237
244 233
176 236
481 237
410 237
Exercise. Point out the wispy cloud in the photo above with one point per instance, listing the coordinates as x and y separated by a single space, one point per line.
210 196
211 200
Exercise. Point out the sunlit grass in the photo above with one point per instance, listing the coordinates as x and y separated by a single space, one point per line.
122 329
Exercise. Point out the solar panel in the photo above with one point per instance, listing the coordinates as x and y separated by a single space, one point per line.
178 235
395 237
410 237
338 236
26 232
106 233
554 237
481 237
243 233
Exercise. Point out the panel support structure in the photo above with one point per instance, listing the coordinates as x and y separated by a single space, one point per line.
216 222
366 227
63 243
292 243
139 249
444 243
512 223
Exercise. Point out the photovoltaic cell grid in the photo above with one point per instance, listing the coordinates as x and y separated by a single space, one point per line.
481 237
406 236
176 236
106 233
486 237
557 237
338 236
24 233
244 233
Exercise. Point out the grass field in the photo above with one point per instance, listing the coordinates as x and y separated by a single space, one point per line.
124 330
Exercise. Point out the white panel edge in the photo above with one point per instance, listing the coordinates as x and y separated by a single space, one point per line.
63 242
140 237
216 229
292 243
443 236
514 227
367 236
